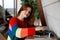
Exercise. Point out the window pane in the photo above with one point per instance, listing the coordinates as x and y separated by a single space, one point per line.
8 3
1 2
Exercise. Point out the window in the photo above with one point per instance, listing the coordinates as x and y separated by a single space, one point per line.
10 5
1 2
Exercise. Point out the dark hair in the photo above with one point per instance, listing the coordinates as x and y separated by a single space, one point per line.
24 7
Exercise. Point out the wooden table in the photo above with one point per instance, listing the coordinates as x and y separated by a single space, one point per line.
40 38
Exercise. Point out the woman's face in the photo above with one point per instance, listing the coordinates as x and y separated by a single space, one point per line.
26 13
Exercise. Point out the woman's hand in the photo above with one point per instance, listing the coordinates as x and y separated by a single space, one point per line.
39 28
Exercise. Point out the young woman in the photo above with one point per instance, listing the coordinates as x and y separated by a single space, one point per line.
21 26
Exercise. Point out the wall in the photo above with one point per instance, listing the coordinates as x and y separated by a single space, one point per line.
52 14
18 5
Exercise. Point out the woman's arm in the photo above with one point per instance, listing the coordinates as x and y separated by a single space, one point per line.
24 32
20 32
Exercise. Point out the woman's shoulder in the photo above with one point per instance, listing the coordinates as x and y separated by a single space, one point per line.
14 18
13 21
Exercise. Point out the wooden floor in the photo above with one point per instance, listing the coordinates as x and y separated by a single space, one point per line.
2 37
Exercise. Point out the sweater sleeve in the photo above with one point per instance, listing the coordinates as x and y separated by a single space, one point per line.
20 32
